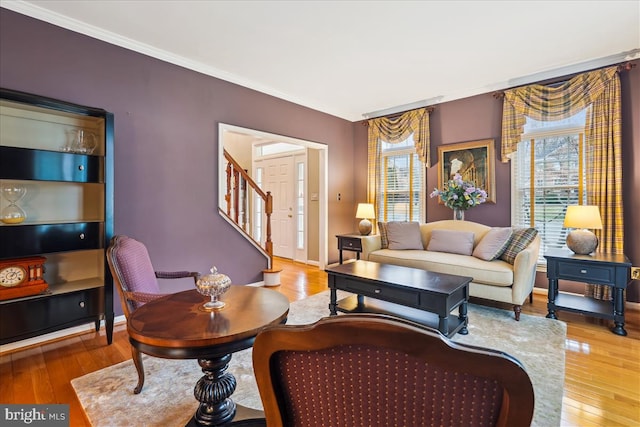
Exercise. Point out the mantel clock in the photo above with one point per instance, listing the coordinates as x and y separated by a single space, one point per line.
21 277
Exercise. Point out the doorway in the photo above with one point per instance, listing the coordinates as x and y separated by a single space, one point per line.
295 171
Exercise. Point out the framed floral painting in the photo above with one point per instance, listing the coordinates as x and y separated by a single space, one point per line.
473 160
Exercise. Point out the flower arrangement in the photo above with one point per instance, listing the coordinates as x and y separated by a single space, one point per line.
459 194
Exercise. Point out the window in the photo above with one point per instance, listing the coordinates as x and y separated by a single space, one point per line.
401 185
259 208
548 174
300 184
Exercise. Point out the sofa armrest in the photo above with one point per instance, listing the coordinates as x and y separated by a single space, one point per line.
524 271
370 244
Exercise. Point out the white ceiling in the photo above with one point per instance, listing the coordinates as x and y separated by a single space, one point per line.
357 58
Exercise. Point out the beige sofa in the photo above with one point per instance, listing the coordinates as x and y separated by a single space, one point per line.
496 280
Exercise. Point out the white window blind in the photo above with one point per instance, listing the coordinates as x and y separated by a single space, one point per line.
548 174
401 186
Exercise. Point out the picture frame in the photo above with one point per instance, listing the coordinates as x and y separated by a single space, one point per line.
474 160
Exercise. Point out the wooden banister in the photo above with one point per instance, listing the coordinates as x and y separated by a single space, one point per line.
237 182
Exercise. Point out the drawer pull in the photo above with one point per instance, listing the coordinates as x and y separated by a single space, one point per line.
377 291
583 271
81 236
81 167
81 304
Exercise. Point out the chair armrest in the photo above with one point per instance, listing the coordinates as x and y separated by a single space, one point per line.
177 275
141 296
370 244
524 271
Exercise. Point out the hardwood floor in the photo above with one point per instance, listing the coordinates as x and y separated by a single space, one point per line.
602 374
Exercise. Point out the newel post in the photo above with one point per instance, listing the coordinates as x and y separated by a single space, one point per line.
268 209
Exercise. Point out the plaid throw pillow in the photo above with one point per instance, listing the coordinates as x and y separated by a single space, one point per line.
520 239
382 228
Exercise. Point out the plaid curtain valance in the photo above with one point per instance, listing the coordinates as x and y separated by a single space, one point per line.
547 103
395 130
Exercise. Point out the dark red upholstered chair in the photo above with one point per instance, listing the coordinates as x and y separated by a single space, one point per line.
137 282
373 370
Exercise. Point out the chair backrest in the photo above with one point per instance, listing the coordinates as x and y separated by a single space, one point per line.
374 370
132 271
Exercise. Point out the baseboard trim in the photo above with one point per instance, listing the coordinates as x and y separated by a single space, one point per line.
55 336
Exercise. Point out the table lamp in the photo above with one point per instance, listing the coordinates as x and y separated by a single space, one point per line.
365 212
582 241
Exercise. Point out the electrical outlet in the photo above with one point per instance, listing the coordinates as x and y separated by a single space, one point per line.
635 273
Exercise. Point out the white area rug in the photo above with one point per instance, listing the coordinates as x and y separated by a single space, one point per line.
167 397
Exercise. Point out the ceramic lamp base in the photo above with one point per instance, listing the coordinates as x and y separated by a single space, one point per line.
365 227
582 242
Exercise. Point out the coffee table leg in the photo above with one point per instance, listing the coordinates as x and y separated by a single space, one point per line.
462 315
333 302
443 325
213 391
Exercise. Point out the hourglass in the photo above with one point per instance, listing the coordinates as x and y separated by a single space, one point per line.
13 214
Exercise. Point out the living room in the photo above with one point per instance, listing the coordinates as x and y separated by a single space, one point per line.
166 135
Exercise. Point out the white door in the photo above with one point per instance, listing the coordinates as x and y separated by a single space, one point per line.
279 179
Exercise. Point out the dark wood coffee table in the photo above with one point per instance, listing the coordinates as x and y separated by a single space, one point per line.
414 294
177 327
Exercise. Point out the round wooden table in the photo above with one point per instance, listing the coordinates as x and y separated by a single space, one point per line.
177 327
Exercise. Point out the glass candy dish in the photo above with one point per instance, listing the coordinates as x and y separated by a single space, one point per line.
213 285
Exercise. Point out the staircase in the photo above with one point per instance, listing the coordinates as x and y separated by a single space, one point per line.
249 209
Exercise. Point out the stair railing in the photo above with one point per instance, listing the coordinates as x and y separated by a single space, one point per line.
239 191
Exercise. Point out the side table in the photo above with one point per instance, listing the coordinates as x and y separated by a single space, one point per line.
598 268
350 242
176 326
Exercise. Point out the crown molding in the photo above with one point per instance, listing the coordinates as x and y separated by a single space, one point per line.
519 81
40 13
46 15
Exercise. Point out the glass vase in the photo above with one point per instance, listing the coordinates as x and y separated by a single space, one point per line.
458 214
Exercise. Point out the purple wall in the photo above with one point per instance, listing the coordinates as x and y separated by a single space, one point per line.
166 140
630 84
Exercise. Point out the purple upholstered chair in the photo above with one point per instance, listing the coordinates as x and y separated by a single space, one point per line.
136 282
358 370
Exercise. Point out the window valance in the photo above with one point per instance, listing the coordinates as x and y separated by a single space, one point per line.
397 129
548 103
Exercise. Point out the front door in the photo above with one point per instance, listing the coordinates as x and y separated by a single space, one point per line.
279 179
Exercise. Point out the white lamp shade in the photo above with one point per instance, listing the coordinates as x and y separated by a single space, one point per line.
583 216
365 210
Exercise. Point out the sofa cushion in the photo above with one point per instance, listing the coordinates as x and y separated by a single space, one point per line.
384 240
404 235
520 239
478 230
451 241
496 273
493 243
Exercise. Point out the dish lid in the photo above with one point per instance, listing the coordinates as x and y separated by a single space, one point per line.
214 278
